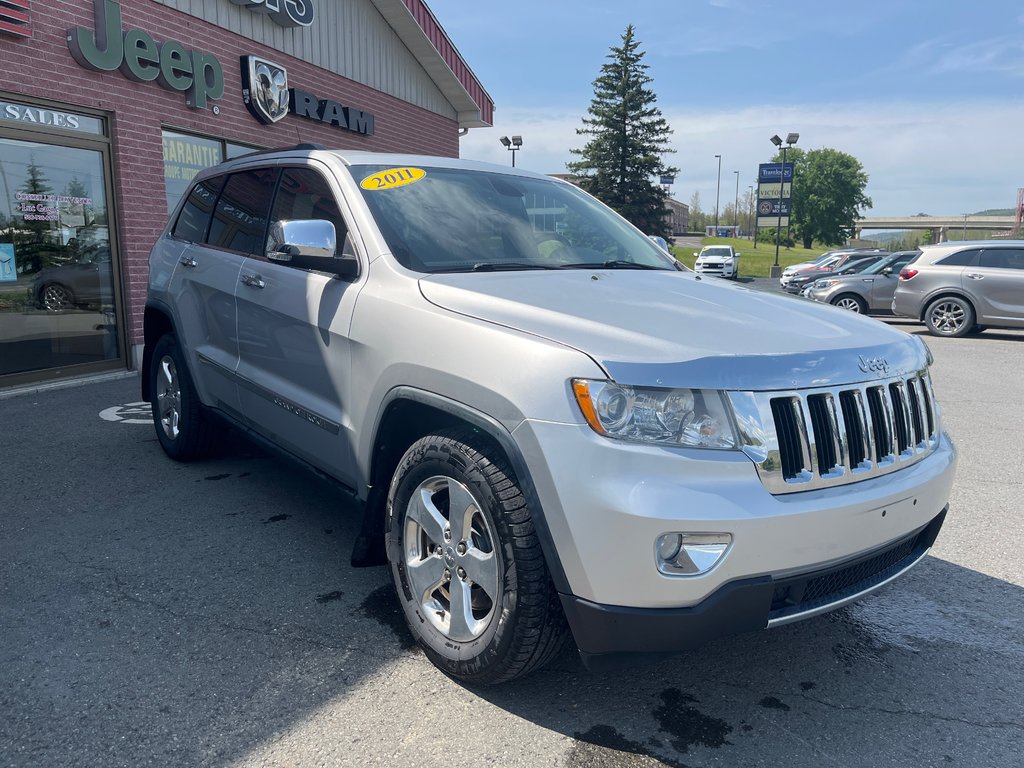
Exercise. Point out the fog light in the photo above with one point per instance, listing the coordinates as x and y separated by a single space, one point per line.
690 554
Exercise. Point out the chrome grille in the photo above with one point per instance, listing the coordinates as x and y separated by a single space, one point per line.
832 436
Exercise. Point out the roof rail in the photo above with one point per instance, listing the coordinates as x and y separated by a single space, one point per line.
307 145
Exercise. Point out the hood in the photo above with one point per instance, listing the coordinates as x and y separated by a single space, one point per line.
672 329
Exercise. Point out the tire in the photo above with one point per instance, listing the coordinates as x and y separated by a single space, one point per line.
185 429
850 303
56 298
488 559
949 316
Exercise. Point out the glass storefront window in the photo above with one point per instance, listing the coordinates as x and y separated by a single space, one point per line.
186 155
56 271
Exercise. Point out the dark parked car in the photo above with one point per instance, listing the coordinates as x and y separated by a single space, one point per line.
84 281
869 291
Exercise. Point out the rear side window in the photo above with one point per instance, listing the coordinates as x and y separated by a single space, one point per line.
194 219
1002 258
240 218
305 194
966 258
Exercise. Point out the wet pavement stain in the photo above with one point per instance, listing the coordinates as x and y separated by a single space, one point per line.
688 725
217 477
328 531
604 747
382 606
328 597
770 702
245 474
806 686
276 519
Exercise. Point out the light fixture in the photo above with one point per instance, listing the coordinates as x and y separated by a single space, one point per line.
791 139
512 145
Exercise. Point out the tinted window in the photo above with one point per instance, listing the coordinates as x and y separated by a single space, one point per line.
1004 258
305 194
240 218
194 219
960 259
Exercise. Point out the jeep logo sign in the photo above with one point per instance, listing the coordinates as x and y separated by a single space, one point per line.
138 57
287 13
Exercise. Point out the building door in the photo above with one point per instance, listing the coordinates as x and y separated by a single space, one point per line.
59 293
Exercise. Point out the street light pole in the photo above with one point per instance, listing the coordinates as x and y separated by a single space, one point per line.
791 139
753 221
736 203
512 145
718 192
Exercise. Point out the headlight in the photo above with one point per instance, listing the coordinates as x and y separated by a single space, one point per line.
696 418
825 283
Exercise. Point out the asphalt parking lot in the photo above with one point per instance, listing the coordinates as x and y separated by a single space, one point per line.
153 613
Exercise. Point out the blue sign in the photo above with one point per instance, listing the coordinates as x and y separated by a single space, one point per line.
774 172
770 207
8 267
668 180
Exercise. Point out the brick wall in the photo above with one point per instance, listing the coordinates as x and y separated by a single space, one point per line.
42 67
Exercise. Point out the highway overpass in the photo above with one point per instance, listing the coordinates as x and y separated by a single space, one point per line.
940 226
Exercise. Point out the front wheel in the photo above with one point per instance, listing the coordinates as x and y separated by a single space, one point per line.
949 316
467 564
183 426
851 303
57 298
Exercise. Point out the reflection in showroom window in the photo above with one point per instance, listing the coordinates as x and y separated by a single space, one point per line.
56 269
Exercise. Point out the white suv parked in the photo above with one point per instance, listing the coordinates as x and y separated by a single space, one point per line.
553 428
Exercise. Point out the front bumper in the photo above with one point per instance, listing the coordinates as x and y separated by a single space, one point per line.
716 269
608 635
605 503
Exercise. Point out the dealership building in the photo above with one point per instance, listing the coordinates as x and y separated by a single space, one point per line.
108 109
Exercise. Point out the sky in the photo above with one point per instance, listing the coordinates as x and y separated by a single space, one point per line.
927 94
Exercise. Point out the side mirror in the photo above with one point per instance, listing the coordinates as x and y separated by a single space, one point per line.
887 271
310 244
738 254
696 254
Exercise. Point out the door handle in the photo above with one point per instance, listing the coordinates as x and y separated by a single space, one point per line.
975 276
253 281
188 261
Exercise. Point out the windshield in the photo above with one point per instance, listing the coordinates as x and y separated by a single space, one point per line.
460 220
717 251
895 263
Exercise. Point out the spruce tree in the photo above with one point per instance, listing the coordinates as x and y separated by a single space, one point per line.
628 138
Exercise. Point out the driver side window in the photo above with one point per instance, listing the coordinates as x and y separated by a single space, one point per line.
305 194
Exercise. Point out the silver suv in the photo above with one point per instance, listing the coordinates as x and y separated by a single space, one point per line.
553 428
957 288
865 292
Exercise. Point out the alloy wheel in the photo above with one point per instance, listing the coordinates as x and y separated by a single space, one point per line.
849 304
948 317
56 298
168 397
450 558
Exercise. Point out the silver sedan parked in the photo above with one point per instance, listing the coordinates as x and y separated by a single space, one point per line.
867 292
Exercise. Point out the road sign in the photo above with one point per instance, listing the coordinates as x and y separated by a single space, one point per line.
774 172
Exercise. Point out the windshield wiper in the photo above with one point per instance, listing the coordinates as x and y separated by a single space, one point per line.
613 264
506 266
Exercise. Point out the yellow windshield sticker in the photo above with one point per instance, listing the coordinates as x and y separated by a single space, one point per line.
393 177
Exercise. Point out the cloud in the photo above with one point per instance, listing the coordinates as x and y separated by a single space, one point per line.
941 158
998 54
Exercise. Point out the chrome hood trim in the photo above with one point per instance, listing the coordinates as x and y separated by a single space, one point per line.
670 329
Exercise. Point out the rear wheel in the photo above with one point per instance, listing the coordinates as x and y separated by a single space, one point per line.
467 564
851 303
185 429
949 316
